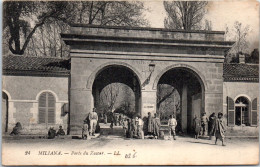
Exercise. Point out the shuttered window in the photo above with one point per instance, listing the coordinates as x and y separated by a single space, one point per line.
254 116
231 111
46 108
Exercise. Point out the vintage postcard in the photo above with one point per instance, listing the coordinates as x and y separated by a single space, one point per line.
130 82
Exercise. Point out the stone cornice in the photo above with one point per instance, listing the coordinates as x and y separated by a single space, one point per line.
77 39
240 79
36 73
146 29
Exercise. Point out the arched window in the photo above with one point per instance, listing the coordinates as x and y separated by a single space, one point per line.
242 111
47 108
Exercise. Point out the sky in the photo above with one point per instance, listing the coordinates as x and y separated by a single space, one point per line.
221 13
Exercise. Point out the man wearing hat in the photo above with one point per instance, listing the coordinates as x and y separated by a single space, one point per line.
204 124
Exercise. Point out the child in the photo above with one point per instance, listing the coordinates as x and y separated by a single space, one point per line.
85 132
172 123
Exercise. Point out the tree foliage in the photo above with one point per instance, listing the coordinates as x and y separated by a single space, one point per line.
168 100
27 22
185 15
117 96
239 34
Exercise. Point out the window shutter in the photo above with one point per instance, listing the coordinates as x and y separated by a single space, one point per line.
51 108
254 117
231 111
42 112
42 100
42 108
46 108
51 115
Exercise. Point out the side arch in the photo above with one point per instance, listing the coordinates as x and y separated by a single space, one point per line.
95 73
7 93
189 68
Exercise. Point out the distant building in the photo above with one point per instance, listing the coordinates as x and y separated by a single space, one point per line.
41 92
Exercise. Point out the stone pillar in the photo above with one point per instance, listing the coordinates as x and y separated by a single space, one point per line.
148 99
184 103
137 102
96 97
212 102
80 107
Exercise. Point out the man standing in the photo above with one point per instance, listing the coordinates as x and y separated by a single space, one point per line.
212 119
172 123
219 129
156 126
196 126
140 128
93 118
149 124
204 124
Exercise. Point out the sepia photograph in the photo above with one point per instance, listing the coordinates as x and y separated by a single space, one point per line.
147 82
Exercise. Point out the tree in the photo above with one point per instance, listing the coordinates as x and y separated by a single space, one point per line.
239 35
109 96
254 57
28 22
168 99
18 18
185 15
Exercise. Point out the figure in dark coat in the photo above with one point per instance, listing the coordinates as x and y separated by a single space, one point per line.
219 129
150 124
212 119
17 129
51 133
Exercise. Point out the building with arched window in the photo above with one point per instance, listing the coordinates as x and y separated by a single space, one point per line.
40 92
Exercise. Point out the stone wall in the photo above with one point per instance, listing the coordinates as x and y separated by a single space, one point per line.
23 93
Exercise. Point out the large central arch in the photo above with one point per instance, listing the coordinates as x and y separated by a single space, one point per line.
190 90
118 79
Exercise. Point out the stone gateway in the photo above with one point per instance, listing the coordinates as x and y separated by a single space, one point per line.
64 91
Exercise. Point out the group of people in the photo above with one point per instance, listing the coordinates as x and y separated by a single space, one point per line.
214 126
52 132
134 128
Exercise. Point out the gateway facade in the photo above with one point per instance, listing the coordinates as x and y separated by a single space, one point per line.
44 92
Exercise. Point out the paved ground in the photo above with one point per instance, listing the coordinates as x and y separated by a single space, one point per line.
114 149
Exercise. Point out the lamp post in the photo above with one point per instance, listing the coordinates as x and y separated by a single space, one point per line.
151 70
151 67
